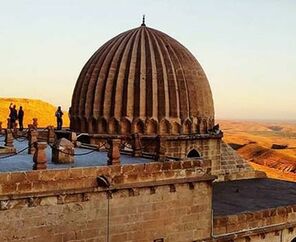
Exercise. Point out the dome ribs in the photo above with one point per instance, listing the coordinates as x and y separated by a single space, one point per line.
126 79
181 79
174 105
111 81
92 82
154 82
197 88
148 81
80 80
142 92
143 81
131 79
75 101
99 97
121 83
137 79
87 67
184 64
163 98
83 89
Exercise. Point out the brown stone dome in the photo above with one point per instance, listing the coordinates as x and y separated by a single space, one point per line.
142 81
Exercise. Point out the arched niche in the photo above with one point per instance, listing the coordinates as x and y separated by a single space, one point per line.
125 126
176 128
201 126
164 127
205 126
187 126
113 126
138 126
211 123
151 126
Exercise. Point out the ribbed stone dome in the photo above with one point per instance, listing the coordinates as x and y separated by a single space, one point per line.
142 81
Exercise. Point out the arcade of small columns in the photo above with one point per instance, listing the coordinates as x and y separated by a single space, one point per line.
147 126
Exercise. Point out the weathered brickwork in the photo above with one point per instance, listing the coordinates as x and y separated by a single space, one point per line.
173 209
234 167
275 224
81 178
280 233
249 220
220 158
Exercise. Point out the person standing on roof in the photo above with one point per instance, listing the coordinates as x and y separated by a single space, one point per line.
20 117
12 115
59 114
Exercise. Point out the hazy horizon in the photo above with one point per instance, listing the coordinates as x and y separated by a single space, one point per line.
247 48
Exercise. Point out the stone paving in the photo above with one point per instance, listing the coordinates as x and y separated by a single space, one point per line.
24 161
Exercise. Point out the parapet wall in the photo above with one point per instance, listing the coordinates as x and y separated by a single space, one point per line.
254 220
146 202
81 178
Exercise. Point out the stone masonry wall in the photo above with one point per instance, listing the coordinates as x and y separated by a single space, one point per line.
170 200
285 233
208 148
234 167
249 220
218 156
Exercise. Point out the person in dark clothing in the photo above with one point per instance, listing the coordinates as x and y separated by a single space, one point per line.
20 117
59 115
12 115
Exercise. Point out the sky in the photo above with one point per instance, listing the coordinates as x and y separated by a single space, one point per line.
247 48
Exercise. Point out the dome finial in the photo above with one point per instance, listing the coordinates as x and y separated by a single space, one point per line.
143 21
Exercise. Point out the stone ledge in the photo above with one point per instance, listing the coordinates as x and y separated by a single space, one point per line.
251 232
251 220
74 178
81 195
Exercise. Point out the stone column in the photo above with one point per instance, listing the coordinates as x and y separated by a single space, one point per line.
8 138
137 146
50 135
15 129
73 138
35 123
39 158
32 138
161 148
8 123
114 152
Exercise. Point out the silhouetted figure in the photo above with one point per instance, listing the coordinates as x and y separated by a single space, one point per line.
20 117
59 115
12 115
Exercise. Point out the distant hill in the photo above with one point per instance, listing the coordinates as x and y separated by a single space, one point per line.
33 108
254 141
